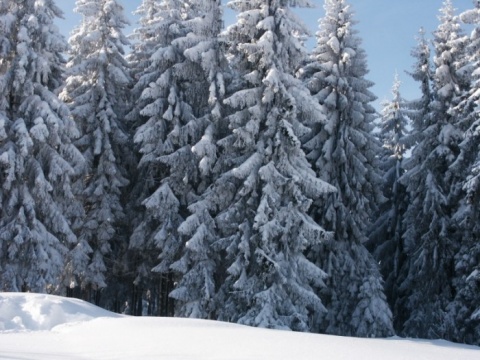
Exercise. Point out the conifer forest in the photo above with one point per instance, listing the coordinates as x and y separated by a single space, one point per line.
198 170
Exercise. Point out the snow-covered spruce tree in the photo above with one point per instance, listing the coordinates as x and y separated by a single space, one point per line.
343 153
173 119
417 111
429 239
37 158
7 19
385 238
260 204
146 39
199 265
95 90
421 73
7 29
465 309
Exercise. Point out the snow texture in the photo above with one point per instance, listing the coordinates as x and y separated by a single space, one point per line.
71 329
430 239
344 153
94 90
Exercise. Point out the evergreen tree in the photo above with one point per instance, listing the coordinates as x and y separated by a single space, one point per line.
146 39
37 158
386 235
173 104
7 19
260 203
199 265
344 154
426 286
96 93
465 310
421 73
417 111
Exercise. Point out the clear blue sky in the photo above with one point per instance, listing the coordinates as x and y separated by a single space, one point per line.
387 27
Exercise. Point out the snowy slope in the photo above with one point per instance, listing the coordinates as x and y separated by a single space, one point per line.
43 327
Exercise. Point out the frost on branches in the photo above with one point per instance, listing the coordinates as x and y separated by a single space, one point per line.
425 286
178 102
385 238
343 153
95 90
199 265
465 309
160 114
261 201
419 108
37 157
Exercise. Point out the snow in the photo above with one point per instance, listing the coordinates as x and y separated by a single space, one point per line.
33 312
45 327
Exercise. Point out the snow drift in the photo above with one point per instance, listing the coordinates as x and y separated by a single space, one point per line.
45 327
30 312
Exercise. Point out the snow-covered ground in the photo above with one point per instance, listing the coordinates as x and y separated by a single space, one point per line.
44 327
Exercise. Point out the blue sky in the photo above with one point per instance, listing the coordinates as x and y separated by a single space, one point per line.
388 29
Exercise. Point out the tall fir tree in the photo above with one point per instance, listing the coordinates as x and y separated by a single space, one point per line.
199 265
343 153
96 91
37 157
465 309
385 238
172 104
6 21
422 74
260 203
430 242
146 39
417 111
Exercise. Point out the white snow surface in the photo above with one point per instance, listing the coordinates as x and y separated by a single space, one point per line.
45 327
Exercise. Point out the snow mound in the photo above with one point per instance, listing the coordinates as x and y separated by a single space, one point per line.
33 312
76 330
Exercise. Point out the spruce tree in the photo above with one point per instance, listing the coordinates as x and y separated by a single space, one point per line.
422 74
465 310
146 39
170 119
343 153
260 203
417 111
37 157
430 242
385 238
199 265
96 91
